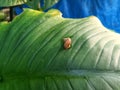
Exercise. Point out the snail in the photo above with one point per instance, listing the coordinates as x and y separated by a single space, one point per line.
67 43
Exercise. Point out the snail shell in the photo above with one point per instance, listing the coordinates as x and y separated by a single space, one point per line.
67 43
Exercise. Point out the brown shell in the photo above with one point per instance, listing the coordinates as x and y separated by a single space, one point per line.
67 43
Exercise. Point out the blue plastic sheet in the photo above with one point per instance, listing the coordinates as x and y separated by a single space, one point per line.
108 11
19 9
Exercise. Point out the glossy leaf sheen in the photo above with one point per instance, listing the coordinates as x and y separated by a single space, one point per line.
32 54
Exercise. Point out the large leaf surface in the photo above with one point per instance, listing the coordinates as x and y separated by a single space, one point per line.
32 56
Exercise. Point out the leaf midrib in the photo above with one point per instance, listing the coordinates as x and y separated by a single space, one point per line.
65 74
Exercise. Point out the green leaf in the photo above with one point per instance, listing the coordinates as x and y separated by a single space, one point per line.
35 4
49 3
2 16
6 3
32 56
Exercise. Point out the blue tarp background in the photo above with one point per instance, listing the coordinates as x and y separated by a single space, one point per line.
108 11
